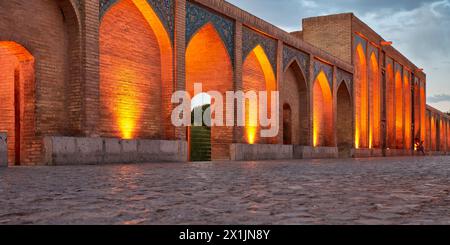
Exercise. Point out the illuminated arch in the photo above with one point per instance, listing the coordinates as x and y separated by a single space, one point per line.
208 63
407 111
17 96
375 103
136 72
361 99
294 80
390 106
398 110
258 75
322 112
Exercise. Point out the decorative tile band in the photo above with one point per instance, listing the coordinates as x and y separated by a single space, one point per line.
251 39
302 58
163 8
197 17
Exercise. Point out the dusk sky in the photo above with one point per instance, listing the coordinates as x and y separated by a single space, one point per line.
420 29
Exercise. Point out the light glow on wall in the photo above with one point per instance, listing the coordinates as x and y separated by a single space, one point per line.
269 84
322 112
361 99
374 127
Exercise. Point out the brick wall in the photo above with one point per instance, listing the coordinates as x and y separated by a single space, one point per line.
294 93
330 33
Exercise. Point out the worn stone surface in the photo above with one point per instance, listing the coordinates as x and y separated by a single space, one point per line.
363 191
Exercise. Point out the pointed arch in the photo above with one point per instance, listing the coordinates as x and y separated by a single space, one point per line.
390 105
344 125
294 91
374 103
136 73
407 127
208 62
257 75
398 110
361 98
17 96
322 112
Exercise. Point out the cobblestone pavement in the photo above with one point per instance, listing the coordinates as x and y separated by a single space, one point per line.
364 191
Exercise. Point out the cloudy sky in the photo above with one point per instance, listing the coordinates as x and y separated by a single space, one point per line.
420 29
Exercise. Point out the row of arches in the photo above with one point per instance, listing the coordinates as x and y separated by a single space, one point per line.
136 83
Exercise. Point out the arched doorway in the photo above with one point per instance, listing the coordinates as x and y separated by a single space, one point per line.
322 112
17 98
375 103
294 92
361 99
287 125
257 75
208 63
344 122
199 133
390 106
135 72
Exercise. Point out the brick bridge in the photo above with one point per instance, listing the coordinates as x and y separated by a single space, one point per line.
89 81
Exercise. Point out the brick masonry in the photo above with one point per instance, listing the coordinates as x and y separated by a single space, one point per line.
85 62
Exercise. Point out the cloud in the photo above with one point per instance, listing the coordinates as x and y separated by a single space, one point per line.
439 98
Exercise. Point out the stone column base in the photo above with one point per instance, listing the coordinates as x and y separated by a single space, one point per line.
246 152
71 150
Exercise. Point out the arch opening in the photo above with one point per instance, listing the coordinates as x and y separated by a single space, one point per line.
136 77
390 106
398 110
322 112
344 125
208 63
17 99
361 99
294 92
407 112
257 75
375 104
199 133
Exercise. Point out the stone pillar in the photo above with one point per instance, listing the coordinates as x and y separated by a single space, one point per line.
90 25
335 98
280 77
3 149
180 56
238 132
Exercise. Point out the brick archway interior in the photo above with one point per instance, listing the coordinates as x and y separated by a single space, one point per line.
17 99
361 99
208 63
294 92
322 112
257 75
375 103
